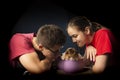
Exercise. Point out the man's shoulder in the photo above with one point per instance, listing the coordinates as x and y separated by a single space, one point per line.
23 35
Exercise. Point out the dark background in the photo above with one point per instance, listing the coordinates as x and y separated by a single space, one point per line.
12 12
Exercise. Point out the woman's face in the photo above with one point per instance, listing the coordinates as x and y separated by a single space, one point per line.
77 36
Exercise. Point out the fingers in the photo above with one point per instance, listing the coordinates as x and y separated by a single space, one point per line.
92 56
91 53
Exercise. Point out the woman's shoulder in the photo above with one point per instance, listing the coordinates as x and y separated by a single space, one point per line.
104 31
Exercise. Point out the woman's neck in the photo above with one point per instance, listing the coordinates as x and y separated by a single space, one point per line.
90 37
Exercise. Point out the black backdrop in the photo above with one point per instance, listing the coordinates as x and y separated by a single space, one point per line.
21 15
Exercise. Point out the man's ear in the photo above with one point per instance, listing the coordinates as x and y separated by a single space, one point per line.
41 47
87 30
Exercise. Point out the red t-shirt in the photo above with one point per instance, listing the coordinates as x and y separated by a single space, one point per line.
103 41
20 44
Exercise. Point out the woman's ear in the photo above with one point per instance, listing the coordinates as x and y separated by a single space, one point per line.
87 30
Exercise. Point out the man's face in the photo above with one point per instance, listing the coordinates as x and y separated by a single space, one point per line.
54 52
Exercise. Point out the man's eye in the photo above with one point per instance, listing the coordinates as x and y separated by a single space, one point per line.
74 36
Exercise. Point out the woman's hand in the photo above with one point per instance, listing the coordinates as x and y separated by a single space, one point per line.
90 53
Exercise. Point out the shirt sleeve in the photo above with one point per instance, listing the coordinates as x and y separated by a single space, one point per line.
102 42
19 45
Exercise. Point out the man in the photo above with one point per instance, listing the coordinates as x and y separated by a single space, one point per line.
35 53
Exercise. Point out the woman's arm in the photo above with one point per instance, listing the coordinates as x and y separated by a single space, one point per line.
100 63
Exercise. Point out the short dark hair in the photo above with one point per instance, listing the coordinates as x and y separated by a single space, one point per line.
50 35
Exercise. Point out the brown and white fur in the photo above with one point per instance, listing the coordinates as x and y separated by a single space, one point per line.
71 54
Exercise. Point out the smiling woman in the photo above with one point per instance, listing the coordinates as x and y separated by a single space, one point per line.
85 32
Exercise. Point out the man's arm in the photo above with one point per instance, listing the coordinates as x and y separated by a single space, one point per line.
33 64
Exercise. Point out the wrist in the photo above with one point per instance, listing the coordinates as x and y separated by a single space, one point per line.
47 60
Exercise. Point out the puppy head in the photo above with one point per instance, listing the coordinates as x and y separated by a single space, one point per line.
71 54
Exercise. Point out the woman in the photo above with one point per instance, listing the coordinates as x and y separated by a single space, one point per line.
84 32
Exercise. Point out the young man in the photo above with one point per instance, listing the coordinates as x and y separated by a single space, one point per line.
35 53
